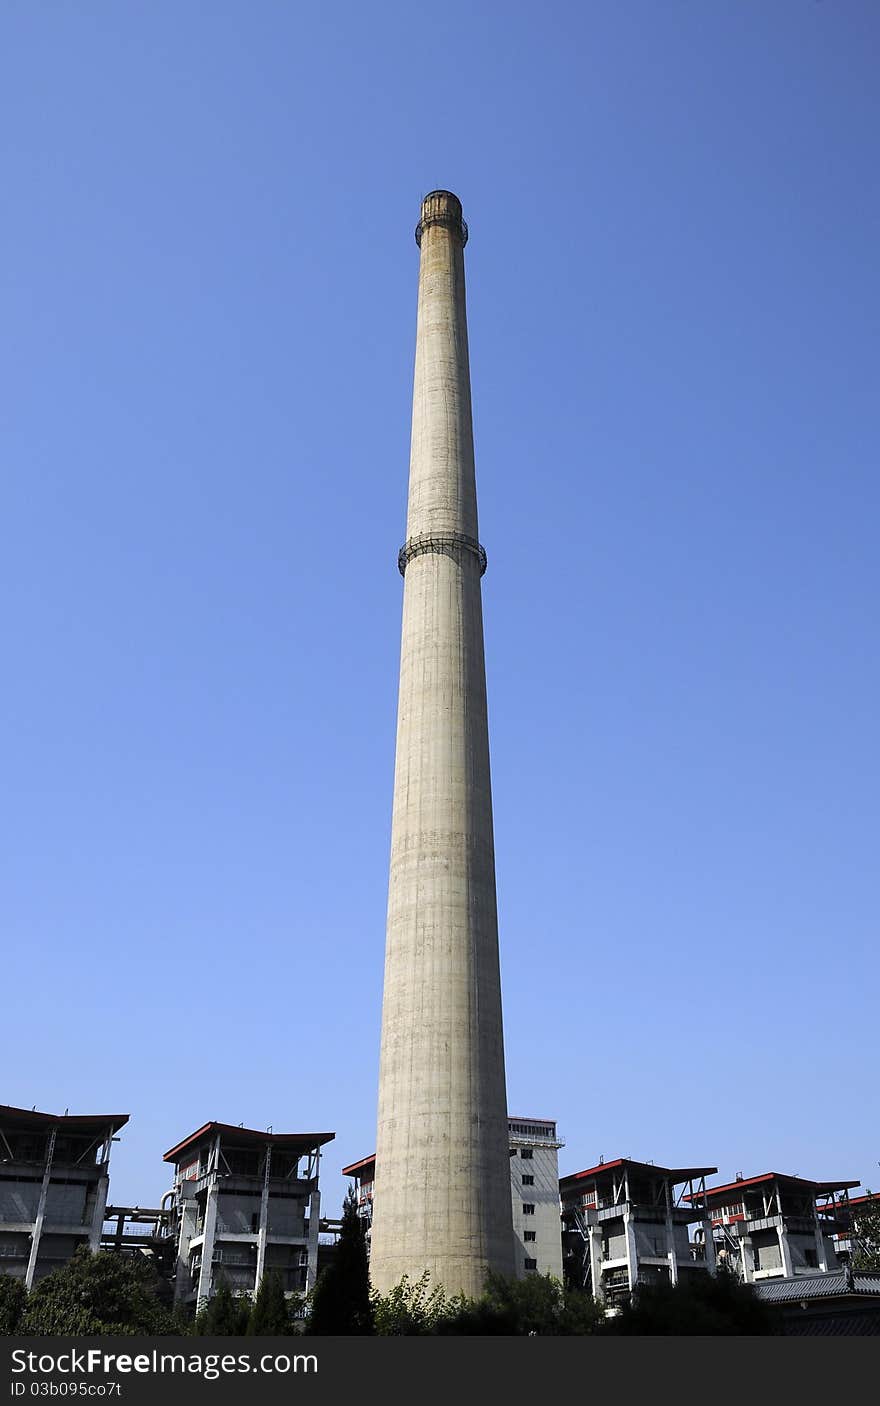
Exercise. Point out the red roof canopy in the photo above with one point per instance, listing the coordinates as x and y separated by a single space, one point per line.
354 1167
817 1187
250 1137
675 1174
863 1200
76 1122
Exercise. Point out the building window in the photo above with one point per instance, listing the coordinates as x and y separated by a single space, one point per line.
528 1181
525 1152
528 1235
811 1259
531 1264
528 1208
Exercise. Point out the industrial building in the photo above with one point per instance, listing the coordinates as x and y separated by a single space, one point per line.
775 1226
244 1202
628 1223
363 1173
534 1196
533 1148
54 1178
850 1239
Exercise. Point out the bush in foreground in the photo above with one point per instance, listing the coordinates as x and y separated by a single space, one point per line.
700 1305
536 1306
13 1297
97 1294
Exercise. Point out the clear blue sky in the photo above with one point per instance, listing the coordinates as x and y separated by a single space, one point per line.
209 296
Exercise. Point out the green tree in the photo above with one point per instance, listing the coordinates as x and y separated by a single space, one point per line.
413 1309
341 1303
13 1297
270 1315
537 1305
699 1305
540 1305
225 1315
97 1294
866 1234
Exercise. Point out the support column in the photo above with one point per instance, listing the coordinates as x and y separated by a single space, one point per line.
595 1243
671 1253
784 1251
821 1250
205 1273
97 1226
314 1227
745 1256
632 1253
263 1232
188 1212
37 1233
711 1262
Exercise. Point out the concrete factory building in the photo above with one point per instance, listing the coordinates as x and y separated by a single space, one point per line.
851 1239
775 1226
442 1156
244 1202
54 1176
533 1149
534 1196
628 1223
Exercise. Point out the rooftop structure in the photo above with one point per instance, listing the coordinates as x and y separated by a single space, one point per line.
853 1240
627 1223
244 1202
776 1226
54 1178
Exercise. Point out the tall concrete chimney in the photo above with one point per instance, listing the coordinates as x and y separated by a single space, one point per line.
442 1191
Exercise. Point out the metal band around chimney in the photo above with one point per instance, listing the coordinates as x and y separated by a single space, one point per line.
443 217
439 542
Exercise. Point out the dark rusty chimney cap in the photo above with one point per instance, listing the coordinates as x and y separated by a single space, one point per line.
441 207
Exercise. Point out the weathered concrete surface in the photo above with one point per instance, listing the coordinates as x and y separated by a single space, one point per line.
442 1162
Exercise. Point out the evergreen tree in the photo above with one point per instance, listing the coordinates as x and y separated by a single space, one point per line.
97 1294
270 1315
341 1304
226 1315
13 1296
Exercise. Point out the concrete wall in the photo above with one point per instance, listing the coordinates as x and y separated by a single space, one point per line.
66 1203
613 1241
19 1200
650 1238
240 1213
236 1212
544 1223
287 1216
